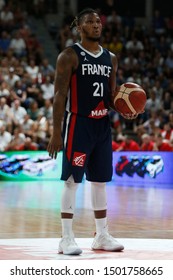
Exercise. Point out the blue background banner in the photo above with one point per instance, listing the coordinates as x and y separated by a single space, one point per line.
143 167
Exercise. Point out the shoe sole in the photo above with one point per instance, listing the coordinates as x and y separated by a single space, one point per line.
75 252
118 249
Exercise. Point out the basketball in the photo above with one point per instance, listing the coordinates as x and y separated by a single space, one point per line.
130 98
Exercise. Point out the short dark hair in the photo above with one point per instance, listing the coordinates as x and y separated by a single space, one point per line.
80 15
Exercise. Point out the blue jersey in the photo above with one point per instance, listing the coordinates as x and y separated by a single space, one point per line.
89 92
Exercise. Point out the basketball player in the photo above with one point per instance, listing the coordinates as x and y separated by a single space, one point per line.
85 78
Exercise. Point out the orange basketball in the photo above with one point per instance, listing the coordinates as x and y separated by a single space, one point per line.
130 98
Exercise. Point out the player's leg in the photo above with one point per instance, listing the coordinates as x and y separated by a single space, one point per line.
99 171
67 244
103 240
75 157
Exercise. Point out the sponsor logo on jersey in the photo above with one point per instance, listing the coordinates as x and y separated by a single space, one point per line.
79 159
99 112
96 69
84 54
85 59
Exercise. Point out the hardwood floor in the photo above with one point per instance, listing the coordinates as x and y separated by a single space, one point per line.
32 210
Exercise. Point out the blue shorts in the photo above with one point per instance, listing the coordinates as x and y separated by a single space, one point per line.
87 148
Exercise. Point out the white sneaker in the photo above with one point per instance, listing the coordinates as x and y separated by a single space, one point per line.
106 242
68 246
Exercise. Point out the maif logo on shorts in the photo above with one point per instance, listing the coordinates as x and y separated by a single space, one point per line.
79 159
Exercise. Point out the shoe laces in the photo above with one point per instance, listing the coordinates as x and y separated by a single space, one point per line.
107 237
70 240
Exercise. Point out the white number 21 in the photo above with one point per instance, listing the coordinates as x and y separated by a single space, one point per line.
99 89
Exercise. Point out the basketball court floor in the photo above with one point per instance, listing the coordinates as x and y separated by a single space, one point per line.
140 217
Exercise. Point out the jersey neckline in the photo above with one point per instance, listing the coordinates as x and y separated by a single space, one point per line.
90 53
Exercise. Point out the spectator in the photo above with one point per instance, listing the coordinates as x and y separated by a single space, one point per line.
34 48
47 110
158 61
33 110
18 112
18 45
119 143
19 92
166 102
120 76
46 68
129 144
162 45
32 69
33 92
169 61
134 45
6 18
4 67
157 87
152 102
4 42
5 138
158 23
16 141
161 144
28 145
153 123
11 77
130 63
41 132
115 19
70 41
167 132
5 114
47 88
28 126
4 90
147 143
115 45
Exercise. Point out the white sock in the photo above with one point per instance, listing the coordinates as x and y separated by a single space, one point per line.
101 225
67 227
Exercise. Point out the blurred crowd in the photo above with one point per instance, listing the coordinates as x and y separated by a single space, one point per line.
26 83
145 56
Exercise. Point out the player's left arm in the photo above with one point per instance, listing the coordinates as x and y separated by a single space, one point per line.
113 86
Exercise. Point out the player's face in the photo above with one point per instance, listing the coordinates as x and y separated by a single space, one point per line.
91 27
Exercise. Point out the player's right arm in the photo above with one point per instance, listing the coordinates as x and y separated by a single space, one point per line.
65 65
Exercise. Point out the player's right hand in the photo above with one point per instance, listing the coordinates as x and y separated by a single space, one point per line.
129 116
54 146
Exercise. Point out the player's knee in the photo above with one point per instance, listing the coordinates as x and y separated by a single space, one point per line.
70 183
98 185
98 196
